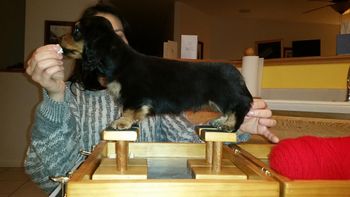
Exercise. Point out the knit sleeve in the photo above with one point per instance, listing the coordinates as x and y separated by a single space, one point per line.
175 128
179 129
54 142
172 128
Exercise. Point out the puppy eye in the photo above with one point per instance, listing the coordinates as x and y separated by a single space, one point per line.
76 33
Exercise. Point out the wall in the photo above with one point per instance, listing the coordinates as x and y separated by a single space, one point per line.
148 31
330 75
312 82
17 108
18 103
37 11
12 32
226 36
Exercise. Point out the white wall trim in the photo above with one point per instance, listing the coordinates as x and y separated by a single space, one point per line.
310 106
306 94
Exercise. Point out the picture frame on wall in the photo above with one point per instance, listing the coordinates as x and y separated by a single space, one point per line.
287 52
200 50
55 29
269 49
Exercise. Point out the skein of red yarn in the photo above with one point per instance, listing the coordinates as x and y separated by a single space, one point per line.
312 158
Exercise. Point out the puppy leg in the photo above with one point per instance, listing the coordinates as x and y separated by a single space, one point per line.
218 122
230 123
236 118
125 121
114 88
141 113
129 117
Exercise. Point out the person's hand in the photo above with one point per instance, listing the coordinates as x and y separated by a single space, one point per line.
45 67
258 121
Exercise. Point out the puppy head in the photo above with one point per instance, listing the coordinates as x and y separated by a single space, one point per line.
72 44
88 40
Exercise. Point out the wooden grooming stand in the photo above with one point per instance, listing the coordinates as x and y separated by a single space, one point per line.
213 166
122 167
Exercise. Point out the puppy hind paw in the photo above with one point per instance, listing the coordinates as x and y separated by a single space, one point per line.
122 124
218 122
227 128
230 125
223 124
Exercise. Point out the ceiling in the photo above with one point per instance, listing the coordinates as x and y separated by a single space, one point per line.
289 10
152 20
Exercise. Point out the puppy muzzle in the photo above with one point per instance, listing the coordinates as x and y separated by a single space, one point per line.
71 48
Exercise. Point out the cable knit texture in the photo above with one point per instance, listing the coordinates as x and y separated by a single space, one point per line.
62 129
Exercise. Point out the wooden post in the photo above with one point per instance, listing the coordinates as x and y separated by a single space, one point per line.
122 167
217 157
122 150
121 139
214 166
209 152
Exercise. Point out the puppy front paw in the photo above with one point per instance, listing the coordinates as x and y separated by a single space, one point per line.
225 123
218 122
122 123
228 128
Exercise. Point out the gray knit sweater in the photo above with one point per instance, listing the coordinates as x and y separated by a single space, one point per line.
62 129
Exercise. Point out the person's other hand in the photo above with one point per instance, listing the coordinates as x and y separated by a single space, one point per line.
258 121
45 67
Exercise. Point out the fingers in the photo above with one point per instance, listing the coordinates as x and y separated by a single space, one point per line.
43 53
45 69
259 126
250 125
259 104
260 113
264 131
267 122
51 71
44 63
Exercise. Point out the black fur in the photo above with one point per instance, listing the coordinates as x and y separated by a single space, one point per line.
168 86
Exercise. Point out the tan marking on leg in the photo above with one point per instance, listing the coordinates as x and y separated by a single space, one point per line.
141 113
76 48
230 123
125 121
114 88
218 122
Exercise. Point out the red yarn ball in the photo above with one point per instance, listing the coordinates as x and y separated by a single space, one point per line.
312 158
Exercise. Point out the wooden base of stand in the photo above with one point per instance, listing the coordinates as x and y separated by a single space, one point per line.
231 172
122 167
214 166
201 169
137 169
203 163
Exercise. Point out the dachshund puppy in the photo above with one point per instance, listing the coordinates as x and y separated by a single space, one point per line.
151 85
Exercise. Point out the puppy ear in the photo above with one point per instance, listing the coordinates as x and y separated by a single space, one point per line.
91 59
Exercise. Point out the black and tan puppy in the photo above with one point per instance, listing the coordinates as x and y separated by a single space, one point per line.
151 85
